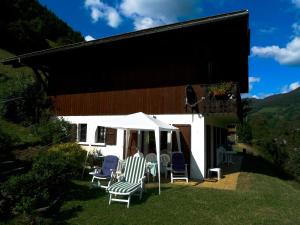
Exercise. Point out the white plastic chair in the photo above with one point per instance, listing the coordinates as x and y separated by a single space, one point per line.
165 160
150 158
139 154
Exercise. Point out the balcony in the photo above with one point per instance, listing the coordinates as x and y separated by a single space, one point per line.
209 102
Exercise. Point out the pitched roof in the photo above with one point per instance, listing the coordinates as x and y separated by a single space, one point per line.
160 29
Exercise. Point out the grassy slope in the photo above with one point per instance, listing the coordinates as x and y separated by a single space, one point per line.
276 117
261 198
21 135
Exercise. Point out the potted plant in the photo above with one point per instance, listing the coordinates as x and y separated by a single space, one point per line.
221 91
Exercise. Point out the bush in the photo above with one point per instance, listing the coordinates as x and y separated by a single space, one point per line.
293 164
54 131
74 153
48 179
5 140
244 133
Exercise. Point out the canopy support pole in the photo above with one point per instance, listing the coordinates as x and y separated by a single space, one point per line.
127 142
157 143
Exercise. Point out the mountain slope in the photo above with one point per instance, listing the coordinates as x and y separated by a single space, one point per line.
275 123
26 26
279 112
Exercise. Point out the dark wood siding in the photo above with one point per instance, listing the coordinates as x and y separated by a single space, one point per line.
151 101
162 100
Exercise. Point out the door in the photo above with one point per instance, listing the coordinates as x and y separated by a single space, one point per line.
133 143
185 139
208 147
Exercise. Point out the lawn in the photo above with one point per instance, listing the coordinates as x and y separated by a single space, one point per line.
261 198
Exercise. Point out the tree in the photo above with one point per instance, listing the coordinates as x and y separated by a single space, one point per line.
244 132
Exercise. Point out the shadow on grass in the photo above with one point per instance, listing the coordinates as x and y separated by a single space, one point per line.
66 214
83 191
148 193
257 164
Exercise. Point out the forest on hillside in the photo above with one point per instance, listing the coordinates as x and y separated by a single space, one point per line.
273 125
25 110
36 162
26 25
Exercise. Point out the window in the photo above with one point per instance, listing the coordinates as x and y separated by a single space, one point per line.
100 135
106 136
82 130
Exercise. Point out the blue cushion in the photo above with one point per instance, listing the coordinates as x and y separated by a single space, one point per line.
110 163
178 162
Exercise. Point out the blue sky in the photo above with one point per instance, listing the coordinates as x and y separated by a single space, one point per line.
274 63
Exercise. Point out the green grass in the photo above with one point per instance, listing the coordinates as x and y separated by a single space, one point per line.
22 136
261 198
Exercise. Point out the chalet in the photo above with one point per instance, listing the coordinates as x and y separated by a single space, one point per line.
171 72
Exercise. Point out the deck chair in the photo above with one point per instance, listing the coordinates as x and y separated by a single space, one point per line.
178 167
131 182
105 173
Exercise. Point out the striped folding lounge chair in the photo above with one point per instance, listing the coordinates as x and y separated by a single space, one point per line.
131 181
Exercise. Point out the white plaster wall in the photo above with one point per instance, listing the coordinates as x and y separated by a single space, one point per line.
92 123
197 163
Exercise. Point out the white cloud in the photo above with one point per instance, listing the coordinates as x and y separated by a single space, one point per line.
145 13
296 28
290 87
141 23
257 96
268 30
296 3
253 80
290 55
100 10
89 38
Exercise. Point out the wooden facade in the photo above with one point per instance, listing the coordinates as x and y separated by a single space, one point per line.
147 70
162 100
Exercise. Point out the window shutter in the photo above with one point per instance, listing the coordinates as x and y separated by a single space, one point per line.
73 132
111 136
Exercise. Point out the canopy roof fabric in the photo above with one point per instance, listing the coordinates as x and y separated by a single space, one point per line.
142 121
138 121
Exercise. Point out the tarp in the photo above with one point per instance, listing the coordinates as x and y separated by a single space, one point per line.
137 121
143 122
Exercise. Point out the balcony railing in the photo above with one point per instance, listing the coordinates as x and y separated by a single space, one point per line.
213 103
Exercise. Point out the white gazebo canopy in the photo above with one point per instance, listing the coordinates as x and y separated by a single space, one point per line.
142 122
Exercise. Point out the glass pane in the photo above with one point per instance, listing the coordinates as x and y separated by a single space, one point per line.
100 135
82 132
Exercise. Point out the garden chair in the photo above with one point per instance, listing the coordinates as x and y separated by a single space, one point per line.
139 154
151 160
105 173
131 181
178 167
164 161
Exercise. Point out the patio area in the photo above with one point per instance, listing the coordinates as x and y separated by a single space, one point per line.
230 176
